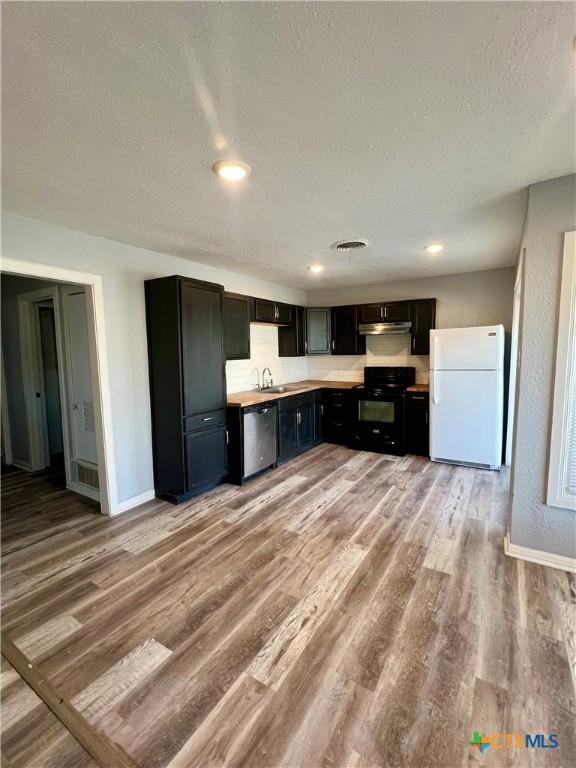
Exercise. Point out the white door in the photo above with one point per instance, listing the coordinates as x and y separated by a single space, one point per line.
466 412
81 413
460 349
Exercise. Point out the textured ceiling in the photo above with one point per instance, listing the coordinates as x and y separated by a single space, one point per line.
402 123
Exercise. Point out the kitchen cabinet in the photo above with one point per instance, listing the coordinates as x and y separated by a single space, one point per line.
423 317
318 336
184 320
236 317
337 415
345 337
384 312
417 426
271 312
292 338
297 425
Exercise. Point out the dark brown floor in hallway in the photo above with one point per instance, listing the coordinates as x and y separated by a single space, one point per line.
347 609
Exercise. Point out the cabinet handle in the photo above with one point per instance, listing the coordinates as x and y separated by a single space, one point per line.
321 410
426 417
332 345
381 312
299 415
208 418
413 343
227 438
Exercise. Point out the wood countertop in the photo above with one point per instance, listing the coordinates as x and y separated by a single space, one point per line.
418 388
254 396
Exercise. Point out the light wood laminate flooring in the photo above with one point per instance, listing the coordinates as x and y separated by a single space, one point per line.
347 609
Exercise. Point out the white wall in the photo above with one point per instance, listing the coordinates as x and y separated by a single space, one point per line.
551 212
474 298
124 269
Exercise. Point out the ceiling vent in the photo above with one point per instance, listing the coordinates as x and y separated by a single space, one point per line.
349 245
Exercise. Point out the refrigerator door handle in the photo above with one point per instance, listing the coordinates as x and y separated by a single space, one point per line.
434 364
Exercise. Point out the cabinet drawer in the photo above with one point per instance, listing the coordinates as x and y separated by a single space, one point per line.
205 420
296 401
336 395
417 399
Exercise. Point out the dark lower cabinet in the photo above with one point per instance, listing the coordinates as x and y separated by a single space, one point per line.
236 317
337 415
206 458
298 425
184 320
417 427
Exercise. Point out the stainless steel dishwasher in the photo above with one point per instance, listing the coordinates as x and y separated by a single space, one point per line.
260 449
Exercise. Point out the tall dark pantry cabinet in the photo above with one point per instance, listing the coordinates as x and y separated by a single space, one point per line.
187 385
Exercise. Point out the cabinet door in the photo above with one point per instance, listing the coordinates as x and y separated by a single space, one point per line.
264 311
423 320
370 313
203 372
318 420
345 338
291 338
287 433
305 419
236 313
318 331
206 457
284 313
396 311
417 430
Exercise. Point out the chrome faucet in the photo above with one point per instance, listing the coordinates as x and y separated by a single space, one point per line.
270 380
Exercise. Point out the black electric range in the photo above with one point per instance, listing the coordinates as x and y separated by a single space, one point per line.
379 423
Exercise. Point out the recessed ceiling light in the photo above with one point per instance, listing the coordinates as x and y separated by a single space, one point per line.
315 268
434 248
231 170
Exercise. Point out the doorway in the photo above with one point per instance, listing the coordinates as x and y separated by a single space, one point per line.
49 380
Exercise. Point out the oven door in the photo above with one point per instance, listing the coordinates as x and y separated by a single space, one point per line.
380 423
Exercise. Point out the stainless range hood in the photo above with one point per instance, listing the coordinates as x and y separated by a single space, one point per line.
384 329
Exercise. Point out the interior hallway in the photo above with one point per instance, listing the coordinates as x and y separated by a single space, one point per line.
349 609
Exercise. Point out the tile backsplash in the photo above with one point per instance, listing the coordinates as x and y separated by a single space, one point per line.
243 374
380 350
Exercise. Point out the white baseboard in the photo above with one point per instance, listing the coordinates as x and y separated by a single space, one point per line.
538 556
22 465
133 501
83 490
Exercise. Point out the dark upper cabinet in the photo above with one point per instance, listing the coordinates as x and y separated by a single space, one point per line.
318 336
385 312
292 338
272 312
396 311
423 316
236 312
184 320
203 373
264 311
370 313
284 313
345 337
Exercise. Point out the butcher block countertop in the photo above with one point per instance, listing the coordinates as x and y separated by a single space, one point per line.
254 396
418 388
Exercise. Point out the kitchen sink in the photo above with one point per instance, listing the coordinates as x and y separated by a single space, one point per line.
274 390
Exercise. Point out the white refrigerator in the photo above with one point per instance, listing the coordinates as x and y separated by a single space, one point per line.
467 395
